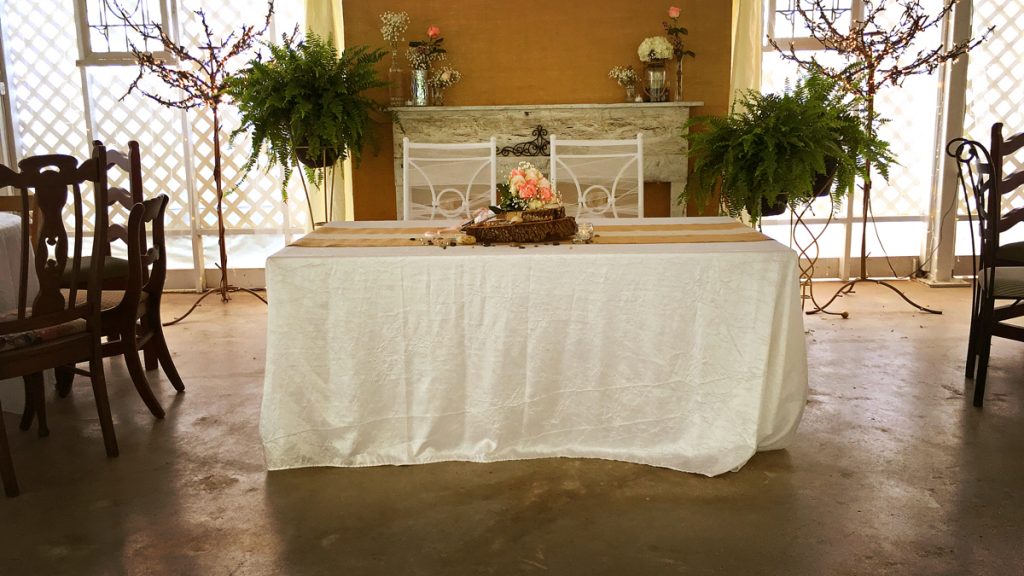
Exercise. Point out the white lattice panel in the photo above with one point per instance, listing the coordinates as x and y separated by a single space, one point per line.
255 203
995 90
157 129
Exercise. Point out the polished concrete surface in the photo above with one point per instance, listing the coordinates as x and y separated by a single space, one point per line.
892 472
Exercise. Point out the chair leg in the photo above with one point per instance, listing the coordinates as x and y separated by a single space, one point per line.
131 359
29 413
972 339
64 377
160 344
149 353
35 382
984 349
10 481
99 390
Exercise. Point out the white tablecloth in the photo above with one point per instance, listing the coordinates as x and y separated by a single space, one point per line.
12 395
10 262
686 356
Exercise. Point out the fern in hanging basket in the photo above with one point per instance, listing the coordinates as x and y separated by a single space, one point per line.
783 149
306 102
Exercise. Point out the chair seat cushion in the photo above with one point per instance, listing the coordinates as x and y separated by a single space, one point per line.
19 340
113 269
108 299
1009 282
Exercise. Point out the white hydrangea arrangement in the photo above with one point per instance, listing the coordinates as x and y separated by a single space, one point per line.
655 48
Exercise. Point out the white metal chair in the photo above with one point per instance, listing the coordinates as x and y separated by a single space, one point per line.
602 178
447 181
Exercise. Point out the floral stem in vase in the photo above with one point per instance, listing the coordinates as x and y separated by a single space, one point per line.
679 80
396 79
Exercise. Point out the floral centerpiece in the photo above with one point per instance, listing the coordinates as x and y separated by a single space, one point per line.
392 27
529 210
442 80
655 48
675 34
627 78
654 52
422 53
527 189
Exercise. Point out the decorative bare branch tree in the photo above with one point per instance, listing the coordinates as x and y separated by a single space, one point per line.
877 55
198 77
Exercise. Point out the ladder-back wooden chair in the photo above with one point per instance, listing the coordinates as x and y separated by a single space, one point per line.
55 329
998 279
131 316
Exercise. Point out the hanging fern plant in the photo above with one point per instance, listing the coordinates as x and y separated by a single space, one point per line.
306 101
783 149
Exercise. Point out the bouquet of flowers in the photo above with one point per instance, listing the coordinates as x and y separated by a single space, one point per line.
527 189
445 78
655 48
393 26
625 75
675 34
422 52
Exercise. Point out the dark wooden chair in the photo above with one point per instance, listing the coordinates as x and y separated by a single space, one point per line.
55 329
131 316
115 268
999 278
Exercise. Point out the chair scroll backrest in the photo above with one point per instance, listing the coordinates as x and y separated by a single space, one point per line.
601 178
56 180
447 181
974 170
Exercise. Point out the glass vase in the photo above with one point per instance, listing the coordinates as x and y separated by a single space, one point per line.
396 80
655 77
420 90
436 96
679 80
631 93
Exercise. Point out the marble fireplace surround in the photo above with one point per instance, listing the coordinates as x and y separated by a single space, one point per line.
516 129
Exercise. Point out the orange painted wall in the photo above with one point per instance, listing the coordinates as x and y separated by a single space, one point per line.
539 52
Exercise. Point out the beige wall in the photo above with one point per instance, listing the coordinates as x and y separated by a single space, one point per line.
539 52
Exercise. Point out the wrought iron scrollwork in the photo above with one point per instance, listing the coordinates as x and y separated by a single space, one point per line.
539 146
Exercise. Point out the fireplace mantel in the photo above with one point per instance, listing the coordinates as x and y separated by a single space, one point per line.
665 158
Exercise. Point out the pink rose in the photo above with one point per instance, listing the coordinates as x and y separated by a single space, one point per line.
673 11
528 190
434 31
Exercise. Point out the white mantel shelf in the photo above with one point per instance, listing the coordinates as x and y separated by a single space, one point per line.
516 107
662 124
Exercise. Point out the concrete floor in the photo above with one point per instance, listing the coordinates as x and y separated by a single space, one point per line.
892 472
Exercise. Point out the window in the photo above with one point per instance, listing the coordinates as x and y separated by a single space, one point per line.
105 36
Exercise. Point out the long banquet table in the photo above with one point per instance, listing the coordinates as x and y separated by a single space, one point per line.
689 356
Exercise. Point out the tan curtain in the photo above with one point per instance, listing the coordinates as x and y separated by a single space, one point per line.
326 19
747 41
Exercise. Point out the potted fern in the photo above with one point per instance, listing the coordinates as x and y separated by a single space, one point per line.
306 103
782 150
